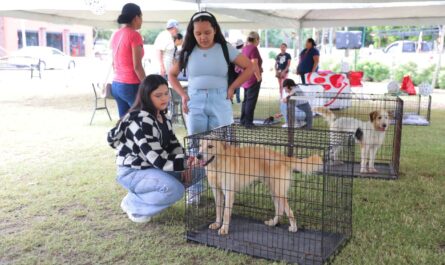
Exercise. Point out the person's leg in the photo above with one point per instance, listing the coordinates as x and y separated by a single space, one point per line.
280 86
237 92
128 94
251 100
117 91
197 122
306 108
243 107
150 191
303 80
283 110
153 191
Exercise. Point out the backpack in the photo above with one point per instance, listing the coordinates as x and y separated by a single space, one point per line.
231 73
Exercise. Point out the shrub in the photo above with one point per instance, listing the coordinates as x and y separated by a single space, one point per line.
273 55
405 69
417 75
373 71
441 80
425 75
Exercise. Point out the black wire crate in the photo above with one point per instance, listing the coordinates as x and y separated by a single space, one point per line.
416 110
272 192
375 121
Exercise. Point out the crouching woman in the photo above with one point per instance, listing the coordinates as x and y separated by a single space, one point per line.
149 157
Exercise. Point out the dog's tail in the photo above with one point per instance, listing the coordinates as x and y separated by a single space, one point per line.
309 164
327 114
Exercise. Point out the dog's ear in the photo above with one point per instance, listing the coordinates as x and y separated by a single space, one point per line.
373 115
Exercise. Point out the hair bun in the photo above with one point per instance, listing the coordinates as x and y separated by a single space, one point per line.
123 19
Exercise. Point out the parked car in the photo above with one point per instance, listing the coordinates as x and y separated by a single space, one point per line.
101 49
47 57
407 47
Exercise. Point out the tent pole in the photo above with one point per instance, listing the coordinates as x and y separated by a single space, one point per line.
439 55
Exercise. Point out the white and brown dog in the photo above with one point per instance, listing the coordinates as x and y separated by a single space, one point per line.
370 135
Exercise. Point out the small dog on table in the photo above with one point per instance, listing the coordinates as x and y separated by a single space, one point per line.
370 135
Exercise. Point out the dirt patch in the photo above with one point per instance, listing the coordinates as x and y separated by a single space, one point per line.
441 247
10 228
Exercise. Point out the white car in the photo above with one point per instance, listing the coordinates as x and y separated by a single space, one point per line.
47 57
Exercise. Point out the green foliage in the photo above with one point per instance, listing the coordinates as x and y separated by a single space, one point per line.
275 37
441 80
272 55
419 75
329 64
103 34
374 71
149 35
409 68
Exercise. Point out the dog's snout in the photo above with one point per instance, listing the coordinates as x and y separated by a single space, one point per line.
384 125
199 156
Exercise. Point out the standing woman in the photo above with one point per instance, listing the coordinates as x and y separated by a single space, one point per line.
253 84
128 51
309 58
208 99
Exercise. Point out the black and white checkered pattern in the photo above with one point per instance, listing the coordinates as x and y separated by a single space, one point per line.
138 143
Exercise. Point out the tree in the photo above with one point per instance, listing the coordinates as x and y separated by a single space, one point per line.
149 35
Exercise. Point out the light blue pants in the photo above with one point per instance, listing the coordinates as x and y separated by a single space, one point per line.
208 109
303 112
150 191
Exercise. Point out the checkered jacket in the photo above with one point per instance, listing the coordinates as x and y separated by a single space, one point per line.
138 143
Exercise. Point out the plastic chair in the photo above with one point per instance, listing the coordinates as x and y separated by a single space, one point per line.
98 96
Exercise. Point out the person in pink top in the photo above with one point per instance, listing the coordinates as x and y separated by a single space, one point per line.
128 50
252 85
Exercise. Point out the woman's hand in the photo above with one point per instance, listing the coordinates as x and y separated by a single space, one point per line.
185 100
230 93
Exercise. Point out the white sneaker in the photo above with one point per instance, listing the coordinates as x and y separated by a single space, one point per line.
284 125
135 217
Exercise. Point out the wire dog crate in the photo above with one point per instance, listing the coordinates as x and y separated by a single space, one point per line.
416 110
272 173
379 118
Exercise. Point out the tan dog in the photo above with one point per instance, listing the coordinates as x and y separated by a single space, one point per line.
370 135
230 169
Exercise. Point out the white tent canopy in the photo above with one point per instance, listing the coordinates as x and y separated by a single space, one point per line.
240 14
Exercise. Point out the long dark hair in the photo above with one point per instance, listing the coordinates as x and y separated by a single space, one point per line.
312 41
129 12
143 99
289 83
190 41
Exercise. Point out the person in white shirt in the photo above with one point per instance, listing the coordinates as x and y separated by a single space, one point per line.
165 46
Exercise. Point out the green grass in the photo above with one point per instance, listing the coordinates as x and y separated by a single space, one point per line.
59 202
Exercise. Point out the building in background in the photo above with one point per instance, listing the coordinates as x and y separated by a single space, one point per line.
74 40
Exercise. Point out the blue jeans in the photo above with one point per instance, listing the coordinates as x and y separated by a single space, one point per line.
150 191
303 112
208 109
125 95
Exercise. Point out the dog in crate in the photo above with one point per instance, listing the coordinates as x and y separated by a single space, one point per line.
231 168
369 134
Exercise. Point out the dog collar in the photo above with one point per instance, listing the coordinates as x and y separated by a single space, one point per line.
209 161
